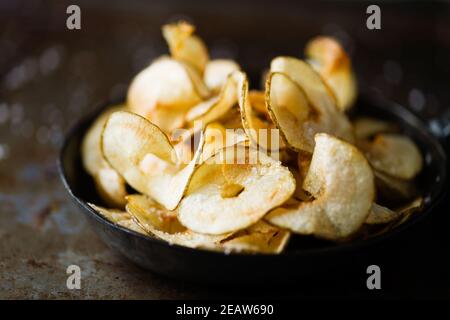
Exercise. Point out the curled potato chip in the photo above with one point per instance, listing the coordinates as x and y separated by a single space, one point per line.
214 108
379 215
331 61
217 72
119 217
109 184
258 102
218 137
260 132
260 237
163 224
393 189
394 154
266 184
342 183
291 112
143 155
184 45
322 114
366 127
164 90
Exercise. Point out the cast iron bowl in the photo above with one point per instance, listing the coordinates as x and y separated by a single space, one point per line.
303 257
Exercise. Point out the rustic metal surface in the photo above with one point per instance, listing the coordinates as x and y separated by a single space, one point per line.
50 77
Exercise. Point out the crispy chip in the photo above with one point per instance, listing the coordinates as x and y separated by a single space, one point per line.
110 185
266 183
380 215
336 212
394 154
185 46
163 91
330 60
323 114
119 217
366 127
214 108
217 72
133 146
259 238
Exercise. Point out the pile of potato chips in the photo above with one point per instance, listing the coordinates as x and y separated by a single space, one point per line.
218 166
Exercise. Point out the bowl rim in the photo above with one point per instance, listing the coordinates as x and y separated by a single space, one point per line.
411 119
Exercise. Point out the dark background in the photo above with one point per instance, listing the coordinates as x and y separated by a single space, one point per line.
51 76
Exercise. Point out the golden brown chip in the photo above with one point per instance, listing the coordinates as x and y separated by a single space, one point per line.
330 60
184 45
119 217
258 238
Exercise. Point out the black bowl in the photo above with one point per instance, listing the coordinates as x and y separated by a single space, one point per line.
304 257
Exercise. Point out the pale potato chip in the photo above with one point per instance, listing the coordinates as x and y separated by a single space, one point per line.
394 154
323 115
394 189
266 183
217 72
119 217
258 238
109 184
366 127
331 61
214 108
184 45
259 132
218 137
163 224
165 84
127 141
150 215
342 183
380 215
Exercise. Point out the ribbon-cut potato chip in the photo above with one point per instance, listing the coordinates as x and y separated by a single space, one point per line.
331 61
163 224
119 217
143 155
394 154
217 138
214 108
342 182
308 100
210 208
184 45
379 215
263 134
110 185
163 92
393 189
260 237
217 72
366 128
